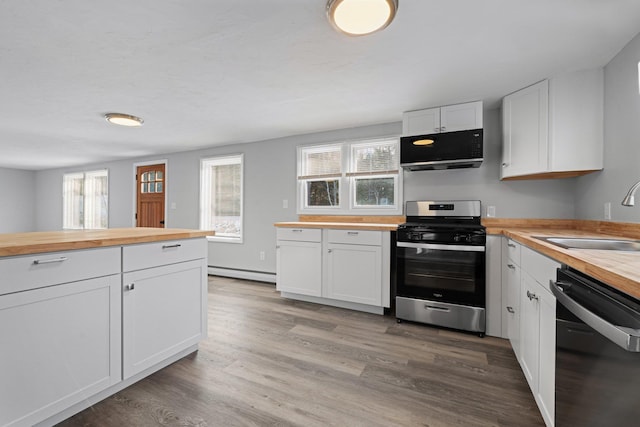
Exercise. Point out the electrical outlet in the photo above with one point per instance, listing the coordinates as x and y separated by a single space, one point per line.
262 256
491 211
607 210
173 205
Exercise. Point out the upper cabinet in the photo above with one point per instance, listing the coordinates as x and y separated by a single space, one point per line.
449 118
554 128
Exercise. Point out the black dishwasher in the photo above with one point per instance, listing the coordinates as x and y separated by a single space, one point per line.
597 353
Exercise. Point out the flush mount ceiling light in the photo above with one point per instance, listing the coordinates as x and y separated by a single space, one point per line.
123 119
361 17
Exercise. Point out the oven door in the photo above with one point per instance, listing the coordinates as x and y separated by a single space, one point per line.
439 272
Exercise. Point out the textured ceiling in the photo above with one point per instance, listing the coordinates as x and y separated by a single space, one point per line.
210 72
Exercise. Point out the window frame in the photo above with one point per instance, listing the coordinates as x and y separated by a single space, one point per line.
208 162
347 181
99 172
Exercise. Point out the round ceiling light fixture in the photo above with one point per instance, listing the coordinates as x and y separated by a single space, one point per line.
123 119
361 17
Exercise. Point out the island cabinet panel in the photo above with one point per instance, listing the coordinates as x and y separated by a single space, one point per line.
164 312
25 272
60 344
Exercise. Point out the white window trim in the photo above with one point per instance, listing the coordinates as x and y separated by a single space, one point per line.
347 184
223 239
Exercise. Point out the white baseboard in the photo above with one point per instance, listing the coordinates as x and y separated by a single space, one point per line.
243 274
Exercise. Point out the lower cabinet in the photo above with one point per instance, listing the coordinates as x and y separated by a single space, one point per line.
60 344
335 267
299 267
354 273
162 313
532 325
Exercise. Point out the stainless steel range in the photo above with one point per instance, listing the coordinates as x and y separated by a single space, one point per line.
441 265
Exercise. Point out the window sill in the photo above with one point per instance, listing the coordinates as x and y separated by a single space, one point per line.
220 239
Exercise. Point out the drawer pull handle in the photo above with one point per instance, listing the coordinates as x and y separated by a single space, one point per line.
433 307
130 287
352 233
511 245
49 261
296 231
532 296
510 310
177 245
511 266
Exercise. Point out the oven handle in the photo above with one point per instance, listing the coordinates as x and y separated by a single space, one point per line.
628 339
459 248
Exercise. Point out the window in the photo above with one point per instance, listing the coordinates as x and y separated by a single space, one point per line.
319 172
221 197
343 178
85 200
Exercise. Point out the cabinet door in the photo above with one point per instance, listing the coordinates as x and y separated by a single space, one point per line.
461 117
512 273
60 344
163 313
354 273
299 267
525 131
530 330
546 385
421 122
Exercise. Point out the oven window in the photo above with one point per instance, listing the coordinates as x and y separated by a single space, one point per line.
452 275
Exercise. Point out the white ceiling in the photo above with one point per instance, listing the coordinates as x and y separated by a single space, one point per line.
211 72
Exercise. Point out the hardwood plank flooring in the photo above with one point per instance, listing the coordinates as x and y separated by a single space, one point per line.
269 361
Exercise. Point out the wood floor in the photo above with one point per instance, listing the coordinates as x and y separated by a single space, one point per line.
269 361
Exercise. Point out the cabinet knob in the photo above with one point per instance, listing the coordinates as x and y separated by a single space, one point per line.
510 310
329 250
443 128
511 266
505 164
532 296
436 129
130 287
511 245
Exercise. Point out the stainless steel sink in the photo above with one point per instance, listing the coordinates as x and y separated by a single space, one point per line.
591 243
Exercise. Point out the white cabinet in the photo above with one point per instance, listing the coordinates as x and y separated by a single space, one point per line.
299 261
531 321
164 306
546 124
495 318
345 268
449 118
511 275
354 269
61 342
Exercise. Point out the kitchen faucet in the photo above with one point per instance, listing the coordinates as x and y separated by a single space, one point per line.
629 198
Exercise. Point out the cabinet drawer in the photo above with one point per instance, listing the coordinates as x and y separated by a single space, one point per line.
26 272
541 268
356 237
147 255
299 234
513 251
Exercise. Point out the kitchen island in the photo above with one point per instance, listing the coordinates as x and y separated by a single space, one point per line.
84 314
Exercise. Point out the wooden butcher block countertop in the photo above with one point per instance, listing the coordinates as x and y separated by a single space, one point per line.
619 269
51 241
346 222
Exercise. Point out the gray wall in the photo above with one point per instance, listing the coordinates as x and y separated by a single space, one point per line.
17 201
270 178
621 142
512 199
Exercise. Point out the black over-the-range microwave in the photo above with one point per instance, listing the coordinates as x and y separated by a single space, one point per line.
447 150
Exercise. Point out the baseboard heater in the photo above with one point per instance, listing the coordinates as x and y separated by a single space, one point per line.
236 273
